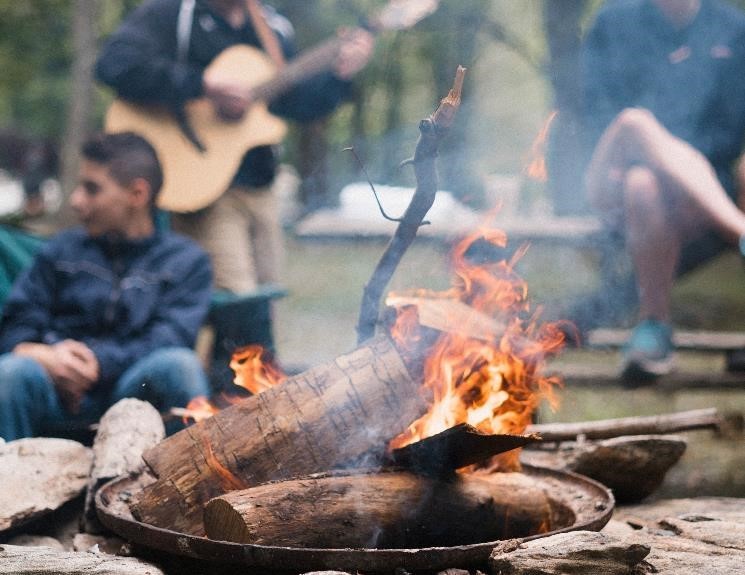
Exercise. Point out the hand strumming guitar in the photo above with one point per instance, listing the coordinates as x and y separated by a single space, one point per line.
229 98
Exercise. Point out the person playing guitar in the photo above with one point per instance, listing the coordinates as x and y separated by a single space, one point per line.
161 62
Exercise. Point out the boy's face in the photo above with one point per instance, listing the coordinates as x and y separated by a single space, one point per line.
102 205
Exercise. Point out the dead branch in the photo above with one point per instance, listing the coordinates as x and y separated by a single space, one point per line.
647 425
432 130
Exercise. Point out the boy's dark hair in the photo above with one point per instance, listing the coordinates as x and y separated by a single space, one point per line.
127 156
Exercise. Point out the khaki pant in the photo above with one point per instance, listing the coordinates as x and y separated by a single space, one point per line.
242 235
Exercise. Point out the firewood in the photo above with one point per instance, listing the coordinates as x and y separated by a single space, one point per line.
38 476
124 432
43 561
322 419
632 467
574 553
456 447
380 510
643 425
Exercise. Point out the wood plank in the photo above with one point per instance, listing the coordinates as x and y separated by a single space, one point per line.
335 224
607 375
715 341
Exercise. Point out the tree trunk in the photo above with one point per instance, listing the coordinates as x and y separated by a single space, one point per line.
566 155
78 120
380 510
325 418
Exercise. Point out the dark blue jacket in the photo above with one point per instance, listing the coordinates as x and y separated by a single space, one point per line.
122 299
139 61
693 79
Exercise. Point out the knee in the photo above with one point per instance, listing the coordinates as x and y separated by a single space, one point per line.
642 191
178 371
635 120
176 360
19 376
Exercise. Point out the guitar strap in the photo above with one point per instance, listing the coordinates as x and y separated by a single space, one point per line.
267 37
183 30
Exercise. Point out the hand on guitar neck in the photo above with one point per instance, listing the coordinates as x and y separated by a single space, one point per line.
230 98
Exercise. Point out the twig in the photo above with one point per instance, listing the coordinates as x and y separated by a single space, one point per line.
431 132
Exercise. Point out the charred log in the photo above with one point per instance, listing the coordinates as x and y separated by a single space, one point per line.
381 510
335 413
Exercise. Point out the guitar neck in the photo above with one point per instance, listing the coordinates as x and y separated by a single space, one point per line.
317 60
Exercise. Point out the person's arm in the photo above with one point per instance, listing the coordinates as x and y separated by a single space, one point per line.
139 59
181 312
27 312
321 94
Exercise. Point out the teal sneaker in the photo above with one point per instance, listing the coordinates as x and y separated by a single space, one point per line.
648 353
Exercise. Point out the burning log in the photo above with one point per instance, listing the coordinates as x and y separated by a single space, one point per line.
576 553
39 475
125 431
456 447
324 418
394 509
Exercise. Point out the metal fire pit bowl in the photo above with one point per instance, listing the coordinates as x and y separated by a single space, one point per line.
577 502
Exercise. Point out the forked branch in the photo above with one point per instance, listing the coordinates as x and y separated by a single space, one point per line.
431 131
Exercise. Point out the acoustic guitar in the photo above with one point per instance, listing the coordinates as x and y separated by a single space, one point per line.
193 177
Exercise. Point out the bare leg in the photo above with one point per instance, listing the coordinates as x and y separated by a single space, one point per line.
636 138
653 240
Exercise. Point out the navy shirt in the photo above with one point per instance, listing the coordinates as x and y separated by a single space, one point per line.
123 299
692 79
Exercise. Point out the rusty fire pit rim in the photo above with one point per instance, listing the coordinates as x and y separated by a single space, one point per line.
283 557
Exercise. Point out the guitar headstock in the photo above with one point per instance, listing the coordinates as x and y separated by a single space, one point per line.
402 14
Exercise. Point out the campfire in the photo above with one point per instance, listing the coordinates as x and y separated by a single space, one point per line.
402 453
415 418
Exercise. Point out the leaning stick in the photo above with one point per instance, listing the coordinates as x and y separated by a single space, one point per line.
648 425
432 130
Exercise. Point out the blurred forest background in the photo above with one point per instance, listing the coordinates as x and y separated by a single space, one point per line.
521 56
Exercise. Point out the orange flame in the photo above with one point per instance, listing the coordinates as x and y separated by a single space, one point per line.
227 480
536 164
493 383
254 369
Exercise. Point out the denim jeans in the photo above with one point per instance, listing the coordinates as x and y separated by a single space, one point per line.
29 405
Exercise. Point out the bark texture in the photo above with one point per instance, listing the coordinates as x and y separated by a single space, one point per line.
336 414
380 510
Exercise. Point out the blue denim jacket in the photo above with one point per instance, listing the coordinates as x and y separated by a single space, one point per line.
123 299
